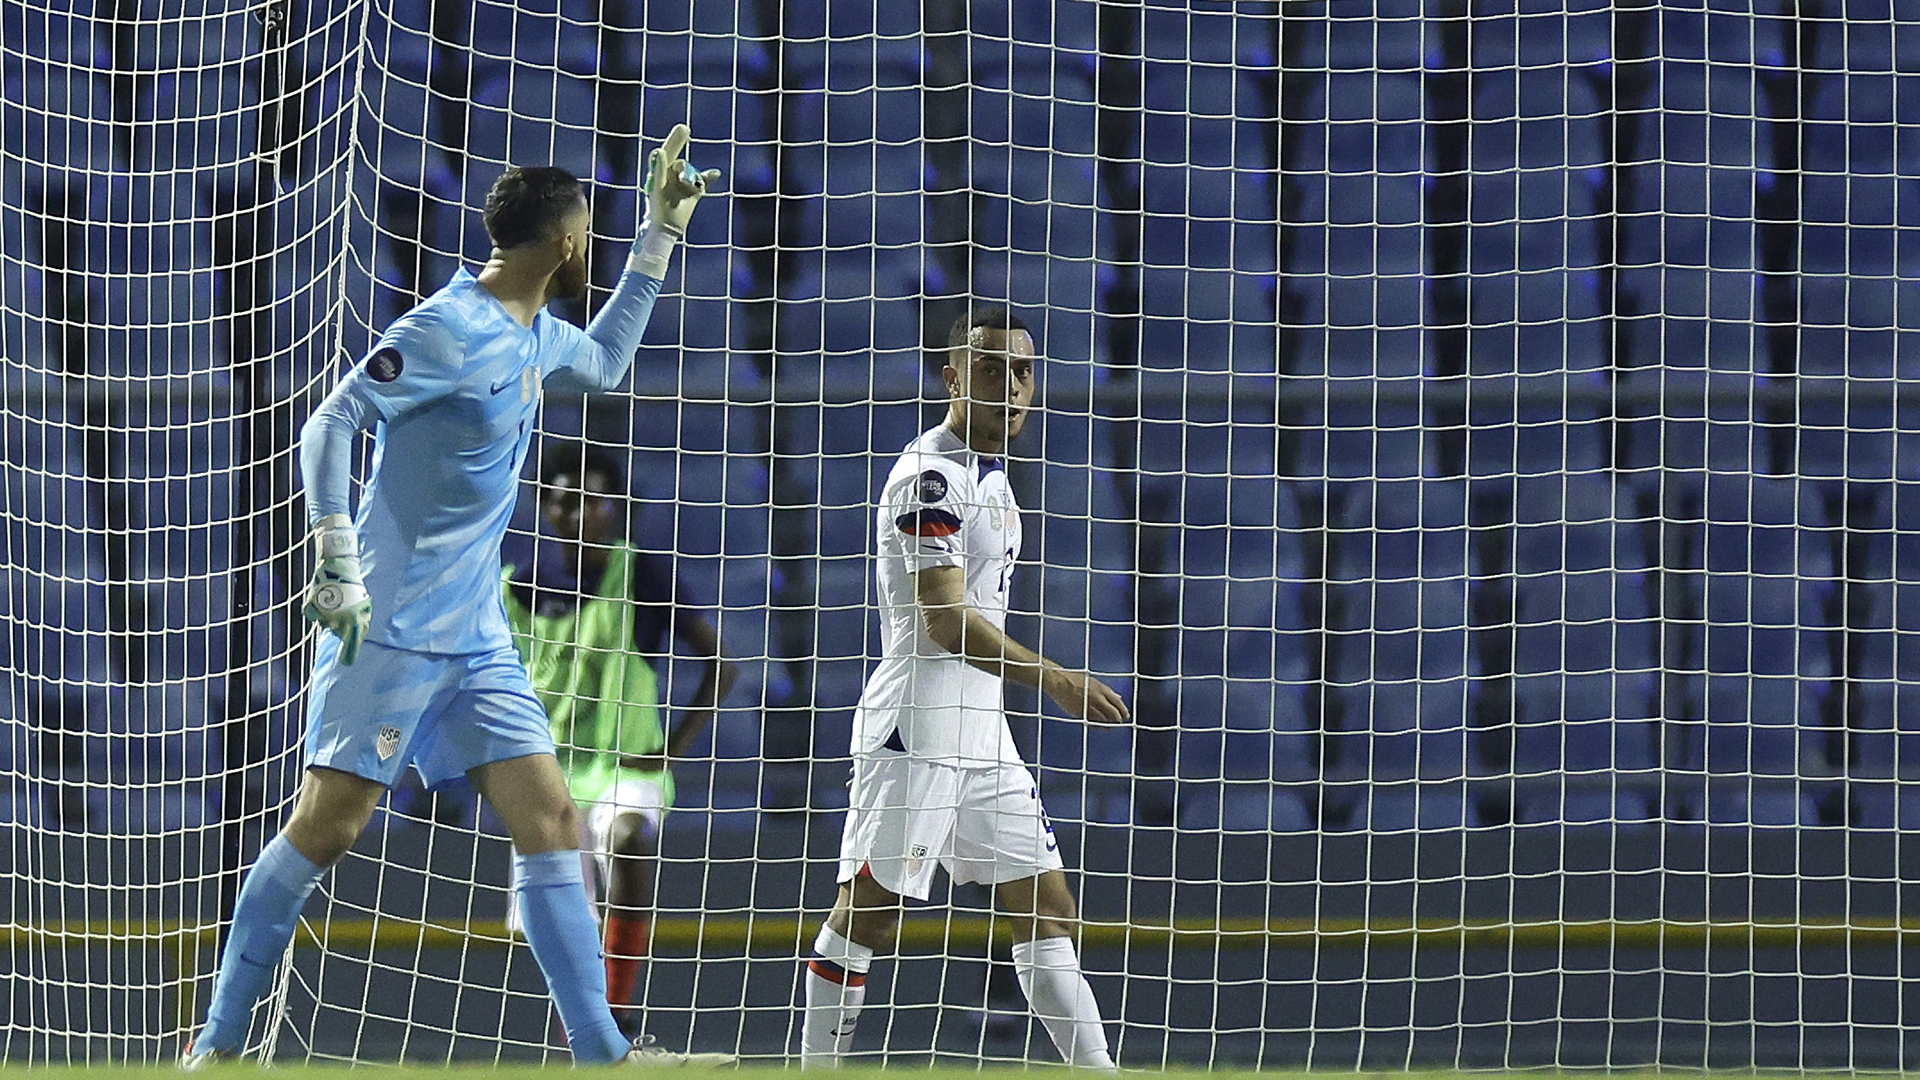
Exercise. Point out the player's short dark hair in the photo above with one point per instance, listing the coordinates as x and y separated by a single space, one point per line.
577 458
990 317
530 203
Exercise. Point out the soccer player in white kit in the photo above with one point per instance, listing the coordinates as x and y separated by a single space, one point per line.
937 780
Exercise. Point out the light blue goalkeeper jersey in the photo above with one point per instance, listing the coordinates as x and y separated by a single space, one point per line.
450 391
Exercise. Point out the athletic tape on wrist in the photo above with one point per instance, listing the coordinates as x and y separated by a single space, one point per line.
653 250
337 541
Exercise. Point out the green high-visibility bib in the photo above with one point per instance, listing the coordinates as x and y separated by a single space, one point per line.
602 698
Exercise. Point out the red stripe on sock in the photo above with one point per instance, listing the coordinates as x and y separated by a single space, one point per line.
628 939
836 974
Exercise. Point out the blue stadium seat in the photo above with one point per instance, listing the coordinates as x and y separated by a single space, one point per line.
695 342
399 50
1891 648
1574 523
842 633
837 682
1885 807
853 43
162 733
325 36
1410 807
28 341
677 20
45 482
1069 27
860 314
1402 730
839 531
1758 726
1861 44
180 490
1221 36
1374 125
733 132
196 120
397 137
1549 36
1361 442
1032 199
63 117
1594 809
327 138
1190 114
675 428
1373 323
1245 808
1739 804
1583 623
550 34
1085 609
534 116
1069 538
1585 723
174 34
1376 35
37 35
186 627
1400 529
1208 320
1057 296
1237 729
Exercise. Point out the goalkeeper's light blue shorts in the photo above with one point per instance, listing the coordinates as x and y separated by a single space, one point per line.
442 714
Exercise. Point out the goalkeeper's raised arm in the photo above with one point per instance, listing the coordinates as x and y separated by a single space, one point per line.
671 190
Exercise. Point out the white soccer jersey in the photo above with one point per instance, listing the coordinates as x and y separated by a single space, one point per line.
943 505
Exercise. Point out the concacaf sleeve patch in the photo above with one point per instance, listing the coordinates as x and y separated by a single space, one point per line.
933 486
385 365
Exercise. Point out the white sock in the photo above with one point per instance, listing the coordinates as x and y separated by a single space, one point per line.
836 987
1049 972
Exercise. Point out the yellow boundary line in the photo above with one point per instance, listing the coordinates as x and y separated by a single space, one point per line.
788 935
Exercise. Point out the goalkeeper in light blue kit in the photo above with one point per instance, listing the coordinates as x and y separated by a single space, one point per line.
418 667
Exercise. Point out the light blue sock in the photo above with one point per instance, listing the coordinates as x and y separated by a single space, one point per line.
559 925
270 902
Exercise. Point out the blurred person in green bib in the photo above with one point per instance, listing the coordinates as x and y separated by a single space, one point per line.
596 628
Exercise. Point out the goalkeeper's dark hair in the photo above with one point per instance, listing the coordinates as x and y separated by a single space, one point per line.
530 203
577 458
990 317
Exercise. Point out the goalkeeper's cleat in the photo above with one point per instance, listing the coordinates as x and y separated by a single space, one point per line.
647 1053
192 1060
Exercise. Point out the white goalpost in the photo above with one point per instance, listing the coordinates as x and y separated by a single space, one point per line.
1476 437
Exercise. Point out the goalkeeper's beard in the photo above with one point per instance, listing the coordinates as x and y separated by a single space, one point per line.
570 280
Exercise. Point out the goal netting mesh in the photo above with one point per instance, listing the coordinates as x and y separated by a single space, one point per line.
1477 437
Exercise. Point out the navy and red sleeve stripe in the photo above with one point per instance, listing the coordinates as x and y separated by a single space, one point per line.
928 521
834 973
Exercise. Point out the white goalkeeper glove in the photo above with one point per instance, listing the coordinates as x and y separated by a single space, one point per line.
673 188
337 598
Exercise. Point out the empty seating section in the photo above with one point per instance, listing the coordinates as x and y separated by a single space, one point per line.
1618 531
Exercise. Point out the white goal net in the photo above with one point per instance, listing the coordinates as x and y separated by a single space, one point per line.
1476 436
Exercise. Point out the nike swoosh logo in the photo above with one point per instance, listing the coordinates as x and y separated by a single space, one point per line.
497 389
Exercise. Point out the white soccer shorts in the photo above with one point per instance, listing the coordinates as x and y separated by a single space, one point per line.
984 825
